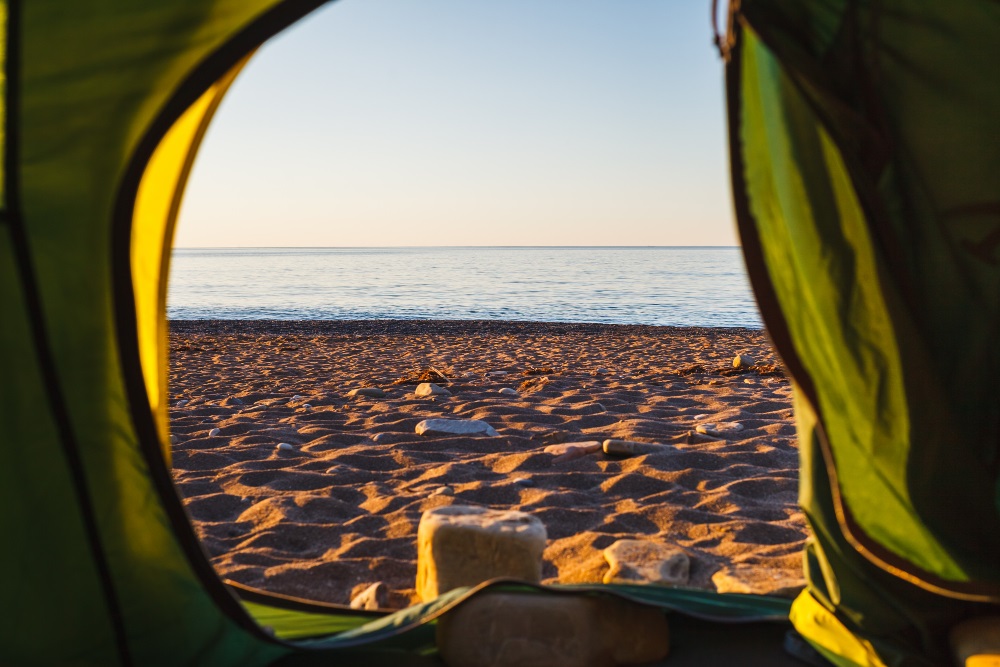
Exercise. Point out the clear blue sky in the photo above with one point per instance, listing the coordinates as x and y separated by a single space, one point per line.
472 122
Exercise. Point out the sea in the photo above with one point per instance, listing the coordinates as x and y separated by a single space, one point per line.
674 286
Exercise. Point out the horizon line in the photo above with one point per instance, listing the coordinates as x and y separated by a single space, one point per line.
407 247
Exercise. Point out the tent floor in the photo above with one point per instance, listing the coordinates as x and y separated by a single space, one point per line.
703 644
693 643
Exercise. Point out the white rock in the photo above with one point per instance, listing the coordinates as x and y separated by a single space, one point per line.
174 440
331 470
431 389
497 373
297 397
602 371
443 491
719 430
367 392
454 427
759 580
615 447
181 403
698 418
307 406
634 561
464 546
523 481
284 447
214 432
373 597
507 391
743 361
380 437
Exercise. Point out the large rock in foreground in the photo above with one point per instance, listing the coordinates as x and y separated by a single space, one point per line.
638 561
455 427
465 546
522 630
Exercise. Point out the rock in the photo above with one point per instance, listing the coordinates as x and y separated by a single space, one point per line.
443 491
698 418
497 373
465 546
374 596
454 427
331 470
614 447
380 437
174 440
230 401
496 629
759 580
430 389
296 397
743 361
568 451
719 430
600 406
366 392
507 391
181 403
638 561
602 371
284 447
523 481
214 432
307 406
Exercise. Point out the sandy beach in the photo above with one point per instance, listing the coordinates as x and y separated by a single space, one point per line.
338 504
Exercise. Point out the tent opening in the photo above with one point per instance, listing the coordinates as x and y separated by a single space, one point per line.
603 328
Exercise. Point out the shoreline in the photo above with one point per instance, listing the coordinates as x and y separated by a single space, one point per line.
340 508
406 326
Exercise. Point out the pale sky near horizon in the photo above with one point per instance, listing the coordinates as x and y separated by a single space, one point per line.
468 122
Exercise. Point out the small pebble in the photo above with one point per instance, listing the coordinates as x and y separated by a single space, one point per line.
497 373
431 389
174 440
214 432
330 471
524 481
720 429
296 397
367 392
743 361
181 403
443 491
700 417
307 406
284 447
507 391
600 406
602 371
380 437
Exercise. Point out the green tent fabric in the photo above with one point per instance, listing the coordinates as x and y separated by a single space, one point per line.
867 199
867 191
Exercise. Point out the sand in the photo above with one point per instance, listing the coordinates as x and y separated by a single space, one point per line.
339 510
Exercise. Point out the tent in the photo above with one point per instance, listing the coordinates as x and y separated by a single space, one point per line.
865 173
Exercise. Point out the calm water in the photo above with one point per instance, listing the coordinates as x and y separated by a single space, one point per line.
664 286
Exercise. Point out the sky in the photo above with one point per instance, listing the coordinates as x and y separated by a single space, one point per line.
470 122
